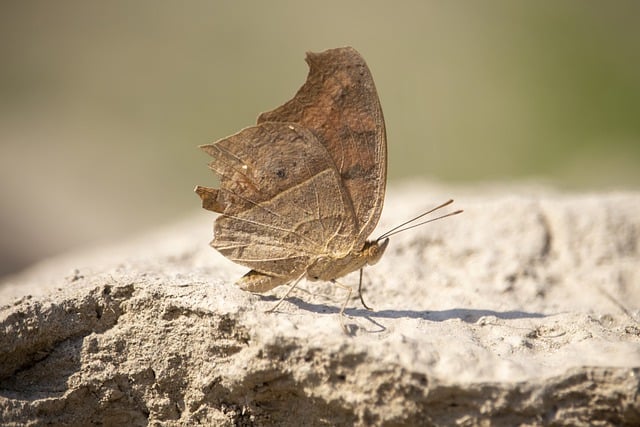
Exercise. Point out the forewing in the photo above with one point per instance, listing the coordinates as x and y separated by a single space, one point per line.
281 199
340 105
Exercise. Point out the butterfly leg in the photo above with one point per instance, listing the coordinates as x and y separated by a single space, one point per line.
295 283
344 304
360 293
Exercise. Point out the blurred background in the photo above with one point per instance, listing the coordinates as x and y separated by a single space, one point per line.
103 104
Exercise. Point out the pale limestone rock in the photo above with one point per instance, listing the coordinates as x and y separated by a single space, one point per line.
523 310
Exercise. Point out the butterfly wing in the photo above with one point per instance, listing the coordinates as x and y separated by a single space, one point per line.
281 199
340 105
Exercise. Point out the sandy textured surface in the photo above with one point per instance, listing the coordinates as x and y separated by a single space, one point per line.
523 310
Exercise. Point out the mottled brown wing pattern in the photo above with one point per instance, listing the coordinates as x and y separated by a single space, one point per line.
281 199
301 191
340 105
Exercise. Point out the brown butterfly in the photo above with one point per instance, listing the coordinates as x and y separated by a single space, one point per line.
302 190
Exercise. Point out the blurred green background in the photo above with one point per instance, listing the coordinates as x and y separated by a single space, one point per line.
103 103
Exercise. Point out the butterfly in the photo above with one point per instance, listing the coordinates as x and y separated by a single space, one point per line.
302 190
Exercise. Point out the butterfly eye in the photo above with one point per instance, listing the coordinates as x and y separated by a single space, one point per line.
376 250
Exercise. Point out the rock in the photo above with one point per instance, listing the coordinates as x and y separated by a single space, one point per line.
524 310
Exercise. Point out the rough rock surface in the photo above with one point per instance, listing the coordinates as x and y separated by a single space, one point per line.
524 310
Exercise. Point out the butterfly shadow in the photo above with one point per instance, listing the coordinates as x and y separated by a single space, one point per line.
467 315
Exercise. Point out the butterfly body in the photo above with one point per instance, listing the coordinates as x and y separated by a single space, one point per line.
326 268
330 268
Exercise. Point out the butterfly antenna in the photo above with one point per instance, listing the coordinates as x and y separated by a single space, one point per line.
400 229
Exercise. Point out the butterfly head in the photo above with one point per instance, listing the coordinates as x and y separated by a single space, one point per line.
373 250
